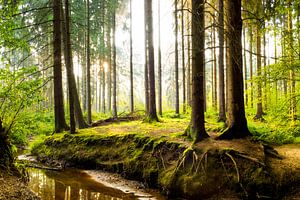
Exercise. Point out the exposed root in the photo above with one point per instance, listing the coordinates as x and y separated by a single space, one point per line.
235 165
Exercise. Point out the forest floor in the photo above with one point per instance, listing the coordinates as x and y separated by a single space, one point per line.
158 154
13 187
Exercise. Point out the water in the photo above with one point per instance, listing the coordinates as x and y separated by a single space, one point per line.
74 185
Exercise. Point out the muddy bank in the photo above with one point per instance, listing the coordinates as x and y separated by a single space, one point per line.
238 169
14 188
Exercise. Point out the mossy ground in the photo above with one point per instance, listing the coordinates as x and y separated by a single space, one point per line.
158 155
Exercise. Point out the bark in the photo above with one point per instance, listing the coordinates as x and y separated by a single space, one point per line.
292 81
176 61
159 64
68 63
109 83
236 121
103 89
88 66
152 116
222 116
245 68
251 67
197 128
131 63
214 71
259 111
73 93
114 102
183 57
59 113
146 71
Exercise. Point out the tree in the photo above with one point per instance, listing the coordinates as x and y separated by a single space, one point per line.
59 113
88 65
259 111
114 59
196 129
236 120
222 115
68 63
176 61
183 57
159 63
131 62
152 116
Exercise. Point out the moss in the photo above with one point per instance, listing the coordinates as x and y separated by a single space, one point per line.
159 161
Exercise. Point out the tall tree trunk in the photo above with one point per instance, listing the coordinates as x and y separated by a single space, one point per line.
146 71
245 68
291 58
236 121
83 80
196 129
159 64
214 69
176 61
189 89
88 66
152 104
59 113
114 102
259 111
109 83
222 116
103 88
68 62
183 57
73 93
131 63
251 67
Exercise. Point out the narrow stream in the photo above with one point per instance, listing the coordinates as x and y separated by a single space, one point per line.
77 185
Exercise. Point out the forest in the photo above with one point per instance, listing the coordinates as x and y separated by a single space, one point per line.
149 99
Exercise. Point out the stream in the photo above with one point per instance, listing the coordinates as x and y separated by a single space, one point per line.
85 185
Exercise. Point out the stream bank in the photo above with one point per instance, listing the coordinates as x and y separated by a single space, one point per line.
237 169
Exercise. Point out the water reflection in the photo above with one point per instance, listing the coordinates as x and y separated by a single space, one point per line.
71 185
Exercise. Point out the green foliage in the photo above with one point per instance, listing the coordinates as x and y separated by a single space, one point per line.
32 124
20 89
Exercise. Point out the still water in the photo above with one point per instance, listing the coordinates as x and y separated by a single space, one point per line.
74 185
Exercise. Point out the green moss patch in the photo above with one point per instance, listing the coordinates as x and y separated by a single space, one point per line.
210 169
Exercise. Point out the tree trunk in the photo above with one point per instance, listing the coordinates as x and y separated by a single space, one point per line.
73 94
176 61
68 62
222 115
88 66
59 113
109 83
152 116
189 89
114 102
131 63
251 67
292 81
214 71
236 121
259 111
245 68
146 71
183 57
159 64
197 128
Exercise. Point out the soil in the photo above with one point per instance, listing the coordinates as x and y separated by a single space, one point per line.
128 186
12 188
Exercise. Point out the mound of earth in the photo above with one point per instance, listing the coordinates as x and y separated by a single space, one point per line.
211 169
